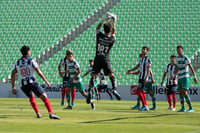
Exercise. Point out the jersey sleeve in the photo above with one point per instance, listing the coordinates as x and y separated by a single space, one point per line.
148 62
77 65
166 70
187 60
34 64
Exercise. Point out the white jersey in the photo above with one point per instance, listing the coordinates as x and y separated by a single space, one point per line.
170 70
102 78
143 64
25 69
63 63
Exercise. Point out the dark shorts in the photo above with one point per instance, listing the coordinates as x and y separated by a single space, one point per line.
32 88
102 64
171 89
65 80
141 85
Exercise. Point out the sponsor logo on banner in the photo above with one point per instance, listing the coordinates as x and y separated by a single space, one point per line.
133 89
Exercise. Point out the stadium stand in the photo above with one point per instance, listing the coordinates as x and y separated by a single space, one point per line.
37 24
160 25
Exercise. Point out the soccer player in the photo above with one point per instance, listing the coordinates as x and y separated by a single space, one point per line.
103 86
75 80
94 86
65 76
183 78
148 88
171 84
25 67
104 43
145 68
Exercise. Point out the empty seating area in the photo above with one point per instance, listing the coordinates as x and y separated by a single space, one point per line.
37 23
160 25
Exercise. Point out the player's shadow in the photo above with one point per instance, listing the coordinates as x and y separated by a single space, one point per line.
123 118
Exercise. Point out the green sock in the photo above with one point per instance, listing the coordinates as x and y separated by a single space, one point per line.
93 94
138 101
97 93
153 100
86 96
182 100
187 98
68 99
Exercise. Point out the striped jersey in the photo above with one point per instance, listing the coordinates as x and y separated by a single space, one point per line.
182 64
63 63
143 64
170 70
102 78
72 68
25 69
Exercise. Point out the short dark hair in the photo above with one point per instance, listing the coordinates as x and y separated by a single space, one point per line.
69 53
179 46
107 27
145 47
173 56
24 50
91 60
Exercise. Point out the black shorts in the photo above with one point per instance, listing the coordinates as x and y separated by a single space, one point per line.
141 85
171 89
32 88
102 64
65 80
103 88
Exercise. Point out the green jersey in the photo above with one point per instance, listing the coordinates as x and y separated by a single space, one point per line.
182 64
72 68
90 69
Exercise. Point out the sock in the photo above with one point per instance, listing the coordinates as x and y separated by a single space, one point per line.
68 99
93 94
187 98
144 97
113 82
153 100
91 84
109 95
140 95
99 95
33 104
138 101
73 95
174 100
182 102
63 93
169 100
96 92
86 96
48 105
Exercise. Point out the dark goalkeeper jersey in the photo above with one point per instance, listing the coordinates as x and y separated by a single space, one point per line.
103 45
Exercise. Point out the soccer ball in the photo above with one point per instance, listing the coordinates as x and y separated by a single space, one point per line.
111 18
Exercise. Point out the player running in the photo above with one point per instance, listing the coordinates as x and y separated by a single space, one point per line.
75 80
148 88
104 43
171 84
25 67
103 86
94 87
65 76
183 78
145 68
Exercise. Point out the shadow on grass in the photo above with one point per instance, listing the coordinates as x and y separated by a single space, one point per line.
123 118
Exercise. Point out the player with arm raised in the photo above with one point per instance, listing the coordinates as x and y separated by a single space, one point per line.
65 76
183 62
171 85
104 43
25 67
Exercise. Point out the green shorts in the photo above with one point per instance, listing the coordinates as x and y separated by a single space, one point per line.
79 86
95 84
183 83
148 87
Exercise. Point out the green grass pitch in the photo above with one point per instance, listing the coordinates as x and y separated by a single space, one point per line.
110 116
